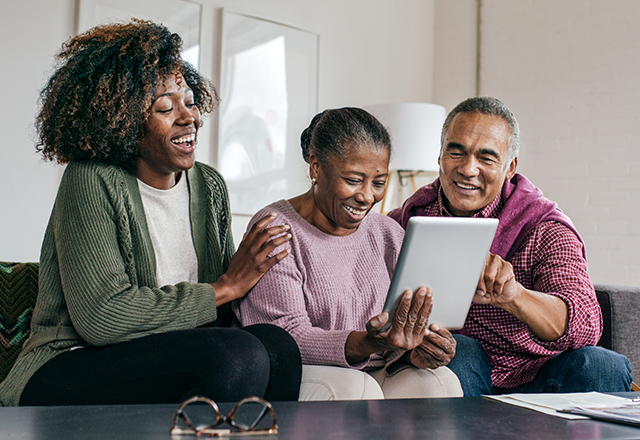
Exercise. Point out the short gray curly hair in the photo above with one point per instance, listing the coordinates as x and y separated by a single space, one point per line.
487 105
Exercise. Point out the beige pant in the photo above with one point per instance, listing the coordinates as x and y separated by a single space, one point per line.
321 382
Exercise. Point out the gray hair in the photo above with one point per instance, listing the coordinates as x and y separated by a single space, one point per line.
487 105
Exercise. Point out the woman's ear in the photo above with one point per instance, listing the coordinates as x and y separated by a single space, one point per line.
314 166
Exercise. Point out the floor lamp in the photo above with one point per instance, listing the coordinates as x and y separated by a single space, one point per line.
415 137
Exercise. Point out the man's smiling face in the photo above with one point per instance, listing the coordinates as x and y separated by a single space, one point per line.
474 162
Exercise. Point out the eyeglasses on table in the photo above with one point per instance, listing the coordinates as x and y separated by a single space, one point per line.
249 416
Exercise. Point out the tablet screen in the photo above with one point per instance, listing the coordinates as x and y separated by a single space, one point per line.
446 254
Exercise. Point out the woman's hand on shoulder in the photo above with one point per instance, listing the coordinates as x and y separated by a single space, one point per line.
251 261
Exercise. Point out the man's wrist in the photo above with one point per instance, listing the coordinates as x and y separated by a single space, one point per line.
546 315
517 303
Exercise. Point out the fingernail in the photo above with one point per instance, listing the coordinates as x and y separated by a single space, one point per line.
479 292
287 227
273 214
435 327
289 235
429 293
422 292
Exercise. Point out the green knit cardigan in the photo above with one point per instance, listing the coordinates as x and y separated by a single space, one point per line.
97 282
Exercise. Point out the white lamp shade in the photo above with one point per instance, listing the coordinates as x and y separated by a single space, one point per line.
415 133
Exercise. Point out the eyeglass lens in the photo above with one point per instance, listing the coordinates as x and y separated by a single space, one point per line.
250 415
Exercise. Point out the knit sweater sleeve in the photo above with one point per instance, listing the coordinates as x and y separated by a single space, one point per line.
108 283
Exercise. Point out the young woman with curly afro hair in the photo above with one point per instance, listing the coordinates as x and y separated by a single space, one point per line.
138 265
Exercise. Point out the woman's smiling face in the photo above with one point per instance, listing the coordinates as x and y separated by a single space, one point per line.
347 188
168 145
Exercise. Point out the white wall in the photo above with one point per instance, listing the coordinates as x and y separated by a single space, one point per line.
570 71
454 67
371 52
31 32
568 68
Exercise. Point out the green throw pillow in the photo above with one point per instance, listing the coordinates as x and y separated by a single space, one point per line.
18 292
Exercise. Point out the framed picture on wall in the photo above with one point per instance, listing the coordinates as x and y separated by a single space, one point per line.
268 90
180 16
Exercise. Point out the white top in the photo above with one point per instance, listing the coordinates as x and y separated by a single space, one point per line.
167 213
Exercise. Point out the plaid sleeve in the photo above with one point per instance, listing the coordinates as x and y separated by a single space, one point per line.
559 269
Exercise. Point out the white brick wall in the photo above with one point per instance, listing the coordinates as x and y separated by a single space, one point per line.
570 70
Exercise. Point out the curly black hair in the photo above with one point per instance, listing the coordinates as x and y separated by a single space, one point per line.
97 101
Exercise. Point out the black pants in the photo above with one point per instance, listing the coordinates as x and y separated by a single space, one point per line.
224 364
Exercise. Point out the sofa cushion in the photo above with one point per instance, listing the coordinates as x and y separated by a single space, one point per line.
18 292
621 318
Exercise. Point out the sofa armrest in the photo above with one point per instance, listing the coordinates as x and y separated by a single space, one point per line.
18 293
621 318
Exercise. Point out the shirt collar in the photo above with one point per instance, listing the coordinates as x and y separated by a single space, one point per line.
492 210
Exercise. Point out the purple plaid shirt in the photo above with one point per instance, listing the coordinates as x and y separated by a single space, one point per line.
549 260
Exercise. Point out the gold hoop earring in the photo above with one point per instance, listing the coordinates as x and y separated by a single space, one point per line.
314 181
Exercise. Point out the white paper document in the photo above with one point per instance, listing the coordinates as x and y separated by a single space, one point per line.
549 403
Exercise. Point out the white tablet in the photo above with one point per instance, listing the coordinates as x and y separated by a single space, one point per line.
446 254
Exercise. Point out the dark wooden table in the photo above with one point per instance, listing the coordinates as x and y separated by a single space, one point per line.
462 418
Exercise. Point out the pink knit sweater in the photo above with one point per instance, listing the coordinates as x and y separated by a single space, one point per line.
328 287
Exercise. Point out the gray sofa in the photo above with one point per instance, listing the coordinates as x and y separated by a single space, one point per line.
19 288
621 315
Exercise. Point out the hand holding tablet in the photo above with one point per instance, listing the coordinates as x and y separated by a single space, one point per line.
427 346
411 320
446 254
